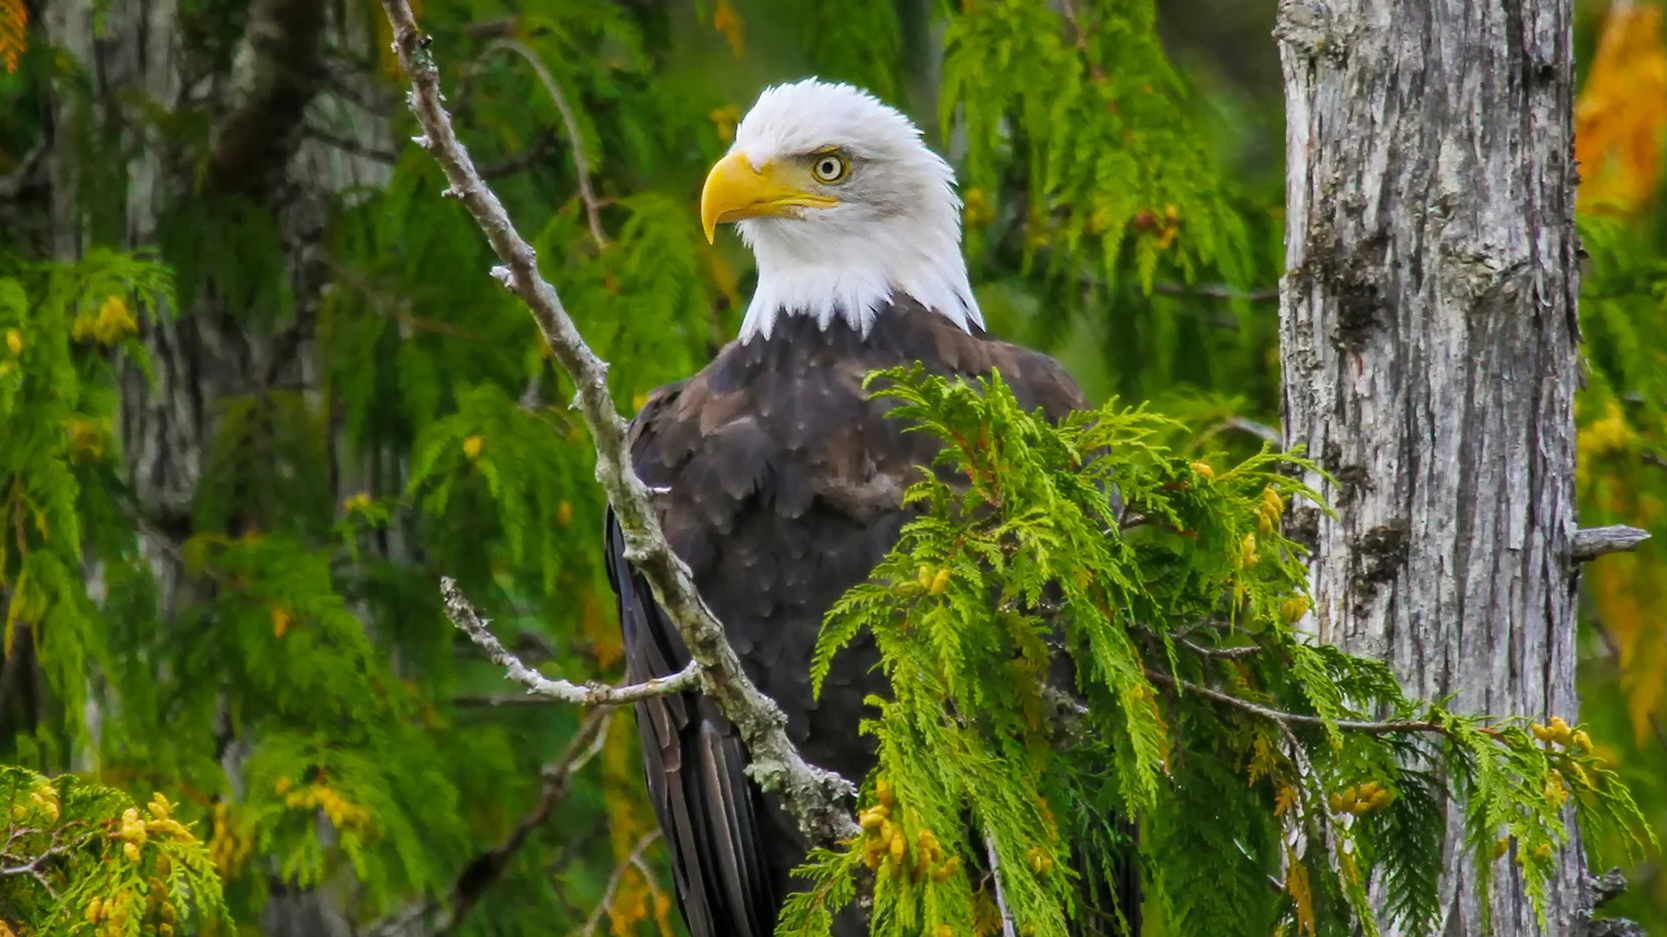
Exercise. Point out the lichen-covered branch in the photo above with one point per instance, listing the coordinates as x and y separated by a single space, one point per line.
812 795
1007 928
464 616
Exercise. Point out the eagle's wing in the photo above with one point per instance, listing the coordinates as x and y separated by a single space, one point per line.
693 758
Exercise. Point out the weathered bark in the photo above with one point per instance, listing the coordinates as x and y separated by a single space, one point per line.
1429 341
257 99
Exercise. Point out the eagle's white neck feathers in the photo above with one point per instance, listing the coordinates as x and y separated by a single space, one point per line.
896 231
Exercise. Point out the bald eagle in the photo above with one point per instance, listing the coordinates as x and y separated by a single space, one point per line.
781 481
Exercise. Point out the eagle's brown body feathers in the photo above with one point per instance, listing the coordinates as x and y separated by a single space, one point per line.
783 482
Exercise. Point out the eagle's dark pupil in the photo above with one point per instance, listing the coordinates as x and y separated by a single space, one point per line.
829 168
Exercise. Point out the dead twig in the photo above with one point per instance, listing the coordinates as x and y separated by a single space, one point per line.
633 861
486 868
464 616
1294 719
1589 543
581 162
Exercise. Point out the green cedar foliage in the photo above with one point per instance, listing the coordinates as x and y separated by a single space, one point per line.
57 399
1097 103
1254 753
81 859
1091 178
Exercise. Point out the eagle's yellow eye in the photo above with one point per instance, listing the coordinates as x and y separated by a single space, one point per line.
830 168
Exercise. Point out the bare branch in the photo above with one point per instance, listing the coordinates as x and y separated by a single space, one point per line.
813 796
350 146
493 702
1259 430
1606 887
1216 291
15 181
1007 928
1589 543
464 616
486 868
581 163
501 28
1229 652
1293 719
395 306
34 866
633 861
541 146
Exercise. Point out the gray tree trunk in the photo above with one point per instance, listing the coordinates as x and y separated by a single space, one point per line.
260 101
1429 342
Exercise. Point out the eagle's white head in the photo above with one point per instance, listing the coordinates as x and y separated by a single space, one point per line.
843 206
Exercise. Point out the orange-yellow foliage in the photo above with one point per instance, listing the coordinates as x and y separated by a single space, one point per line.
1302 894
728 22
1621 115
14 19
597 622
1629 590
629 820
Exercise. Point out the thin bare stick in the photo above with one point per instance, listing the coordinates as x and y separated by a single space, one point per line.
816 798
581 162
486 868
1290 719
1228 652
633 861
464 616
1007 928
1259 430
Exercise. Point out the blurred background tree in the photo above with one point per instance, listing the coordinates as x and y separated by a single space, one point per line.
256 394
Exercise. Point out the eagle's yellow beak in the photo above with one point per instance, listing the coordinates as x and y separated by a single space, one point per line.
735 190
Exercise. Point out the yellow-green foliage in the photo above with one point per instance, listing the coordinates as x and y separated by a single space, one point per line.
83 859
1095 103
1201 701
57 445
